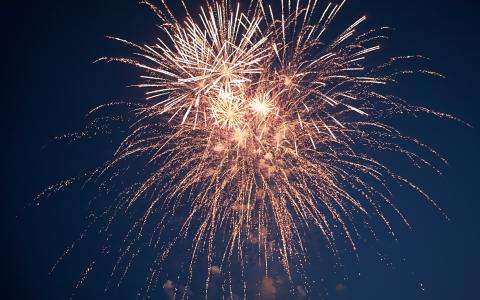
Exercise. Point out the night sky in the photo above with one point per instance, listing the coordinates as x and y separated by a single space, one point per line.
49 83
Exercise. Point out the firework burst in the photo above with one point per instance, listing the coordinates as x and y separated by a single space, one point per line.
256 129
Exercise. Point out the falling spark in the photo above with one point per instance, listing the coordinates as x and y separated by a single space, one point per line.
255 130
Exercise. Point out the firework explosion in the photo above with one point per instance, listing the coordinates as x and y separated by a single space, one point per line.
256 129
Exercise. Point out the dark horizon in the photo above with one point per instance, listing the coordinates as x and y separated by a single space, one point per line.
51 82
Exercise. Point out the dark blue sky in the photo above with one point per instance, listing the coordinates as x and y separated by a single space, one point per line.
49 83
